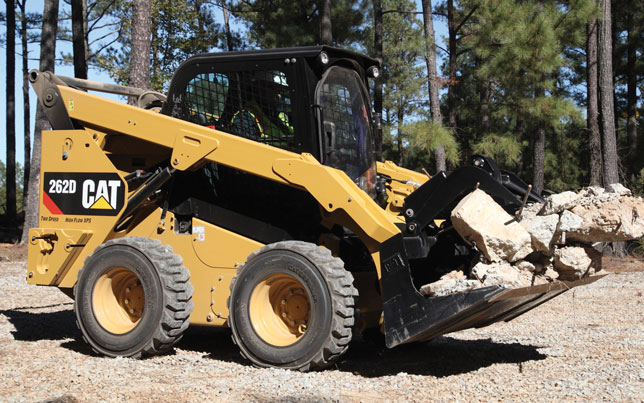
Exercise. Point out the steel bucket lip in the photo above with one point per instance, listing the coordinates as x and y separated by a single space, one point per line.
557 285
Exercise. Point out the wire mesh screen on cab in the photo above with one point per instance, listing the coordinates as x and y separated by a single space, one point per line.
251 104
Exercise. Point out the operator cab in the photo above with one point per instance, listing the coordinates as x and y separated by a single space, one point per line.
309 99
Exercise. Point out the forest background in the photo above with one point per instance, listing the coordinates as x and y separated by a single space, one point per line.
553 90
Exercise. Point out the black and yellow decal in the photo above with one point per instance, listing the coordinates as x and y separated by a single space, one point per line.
83 193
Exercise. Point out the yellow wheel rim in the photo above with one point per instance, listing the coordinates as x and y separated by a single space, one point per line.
280 309
118 300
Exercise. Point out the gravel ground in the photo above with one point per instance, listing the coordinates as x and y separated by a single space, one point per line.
587 344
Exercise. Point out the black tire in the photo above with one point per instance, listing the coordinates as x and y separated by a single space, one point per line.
140 276
316 277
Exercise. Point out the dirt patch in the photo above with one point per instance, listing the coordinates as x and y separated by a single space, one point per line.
10 252
628 264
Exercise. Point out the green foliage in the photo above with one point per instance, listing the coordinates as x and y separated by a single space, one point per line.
3 187
514 65
503 147
637 183
179 30
285 23
403 75
428 135
566 168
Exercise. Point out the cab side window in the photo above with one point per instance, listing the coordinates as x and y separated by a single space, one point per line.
205 98
252 104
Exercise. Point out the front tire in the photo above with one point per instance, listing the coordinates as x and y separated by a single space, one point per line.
133 297
292 306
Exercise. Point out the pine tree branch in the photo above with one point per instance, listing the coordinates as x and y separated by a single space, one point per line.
105 36
107 45
100 16
467 17
110 24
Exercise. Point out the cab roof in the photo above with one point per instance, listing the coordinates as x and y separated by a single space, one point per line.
307 52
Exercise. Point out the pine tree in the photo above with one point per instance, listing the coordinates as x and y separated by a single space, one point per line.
178 31
285 23
139 74
403 82
606 94
47 58
518 47
11 111
433 79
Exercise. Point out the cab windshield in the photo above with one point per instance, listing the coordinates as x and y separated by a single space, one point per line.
346 122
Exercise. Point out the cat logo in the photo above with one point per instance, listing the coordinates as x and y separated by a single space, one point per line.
101 194
83 193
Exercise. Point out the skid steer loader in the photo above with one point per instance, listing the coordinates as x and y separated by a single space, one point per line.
250 197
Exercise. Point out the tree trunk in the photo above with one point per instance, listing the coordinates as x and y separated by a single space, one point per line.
432 78
11 111
377 88
229 36
631 108
140 52
606 103
326 36
539 153
484 99
47 58
401 150
25 99
451 94
521 135
594 138
79 37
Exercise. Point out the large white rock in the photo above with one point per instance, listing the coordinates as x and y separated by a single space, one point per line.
572 263
619 189
569 221
559 202
541 229
618 219
502 273
454 281
479 219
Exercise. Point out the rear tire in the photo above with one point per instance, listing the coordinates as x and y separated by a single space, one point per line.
292 306
133 297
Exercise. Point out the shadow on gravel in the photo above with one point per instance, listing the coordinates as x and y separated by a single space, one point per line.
442 357
34 326
59 325
214 343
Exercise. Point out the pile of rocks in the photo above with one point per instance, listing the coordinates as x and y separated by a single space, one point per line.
548 241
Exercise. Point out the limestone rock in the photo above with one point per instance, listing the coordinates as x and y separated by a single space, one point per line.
455 274
559 202
524 265
619 189
591 191
569 221
572 263
619 219
478 218
542 230
551 274
502 273
454 281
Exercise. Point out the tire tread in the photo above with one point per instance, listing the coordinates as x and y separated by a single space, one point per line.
177 291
